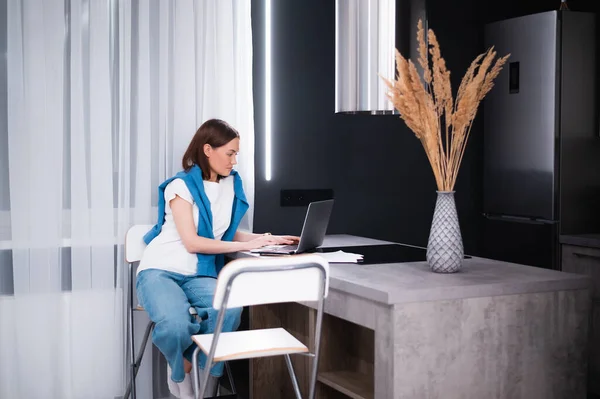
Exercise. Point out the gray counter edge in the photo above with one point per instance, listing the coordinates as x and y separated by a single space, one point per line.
460 292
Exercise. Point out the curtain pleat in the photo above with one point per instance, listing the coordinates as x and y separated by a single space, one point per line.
103 99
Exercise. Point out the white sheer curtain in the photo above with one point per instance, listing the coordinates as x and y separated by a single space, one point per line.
187 61
102 97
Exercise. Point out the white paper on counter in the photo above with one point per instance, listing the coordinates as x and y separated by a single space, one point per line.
340 257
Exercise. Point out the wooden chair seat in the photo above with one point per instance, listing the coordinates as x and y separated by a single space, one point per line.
251 343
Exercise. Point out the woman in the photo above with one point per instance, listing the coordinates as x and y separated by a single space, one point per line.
199 212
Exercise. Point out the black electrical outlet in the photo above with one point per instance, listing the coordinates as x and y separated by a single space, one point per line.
304 197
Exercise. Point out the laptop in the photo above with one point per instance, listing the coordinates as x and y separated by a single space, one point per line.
313 231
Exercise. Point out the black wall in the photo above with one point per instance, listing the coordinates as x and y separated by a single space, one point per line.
384 187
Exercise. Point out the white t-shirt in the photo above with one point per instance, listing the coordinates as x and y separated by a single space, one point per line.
166 251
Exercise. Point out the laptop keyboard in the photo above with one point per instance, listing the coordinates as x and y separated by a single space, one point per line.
288 247
283 248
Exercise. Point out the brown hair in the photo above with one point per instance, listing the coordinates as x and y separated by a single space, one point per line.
213 132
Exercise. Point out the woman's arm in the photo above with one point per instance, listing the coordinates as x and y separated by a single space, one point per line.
244 236
184 221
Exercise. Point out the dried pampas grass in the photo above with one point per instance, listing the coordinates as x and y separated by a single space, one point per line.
439 121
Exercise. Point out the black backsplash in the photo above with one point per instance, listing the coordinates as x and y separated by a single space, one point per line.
383 184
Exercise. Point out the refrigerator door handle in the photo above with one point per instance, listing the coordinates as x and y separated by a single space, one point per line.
518 219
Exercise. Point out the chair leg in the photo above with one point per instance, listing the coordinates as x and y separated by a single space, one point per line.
196 379
315 365
147 333
230 377
200 382
288 361
132 366
195 375
131 385
136 362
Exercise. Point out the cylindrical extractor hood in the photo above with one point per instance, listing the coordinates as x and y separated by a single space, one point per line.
367 32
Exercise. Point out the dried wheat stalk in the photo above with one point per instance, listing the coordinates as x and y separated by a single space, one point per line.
440 122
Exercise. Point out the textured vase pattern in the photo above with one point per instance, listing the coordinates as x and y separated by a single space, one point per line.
445 247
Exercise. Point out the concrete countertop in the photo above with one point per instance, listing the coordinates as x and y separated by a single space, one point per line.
582 240
395 283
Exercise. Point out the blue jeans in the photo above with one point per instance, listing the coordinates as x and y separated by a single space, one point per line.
166 297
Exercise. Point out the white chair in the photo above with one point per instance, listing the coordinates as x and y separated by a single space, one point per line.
256 281
134 249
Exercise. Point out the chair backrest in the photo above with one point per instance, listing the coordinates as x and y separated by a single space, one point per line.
134 242
256 281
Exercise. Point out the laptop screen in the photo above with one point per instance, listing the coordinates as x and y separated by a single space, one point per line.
315 225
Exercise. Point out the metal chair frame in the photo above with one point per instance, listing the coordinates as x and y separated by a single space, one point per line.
136 361
200 387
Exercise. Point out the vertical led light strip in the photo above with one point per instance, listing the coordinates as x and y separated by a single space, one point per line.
268 90
337 56
369 56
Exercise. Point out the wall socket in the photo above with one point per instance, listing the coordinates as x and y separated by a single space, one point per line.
304 197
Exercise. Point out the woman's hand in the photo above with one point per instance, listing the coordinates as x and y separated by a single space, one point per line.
253 241
260 242
286 240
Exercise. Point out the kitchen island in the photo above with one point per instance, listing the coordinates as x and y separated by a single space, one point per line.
581 255
397 330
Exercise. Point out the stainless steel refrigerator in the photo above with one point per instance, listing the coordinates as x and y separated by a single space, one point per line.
541 140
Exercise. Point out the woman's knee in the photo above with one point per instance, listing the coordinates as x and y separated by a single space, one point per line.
233 317
176 328
231 320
